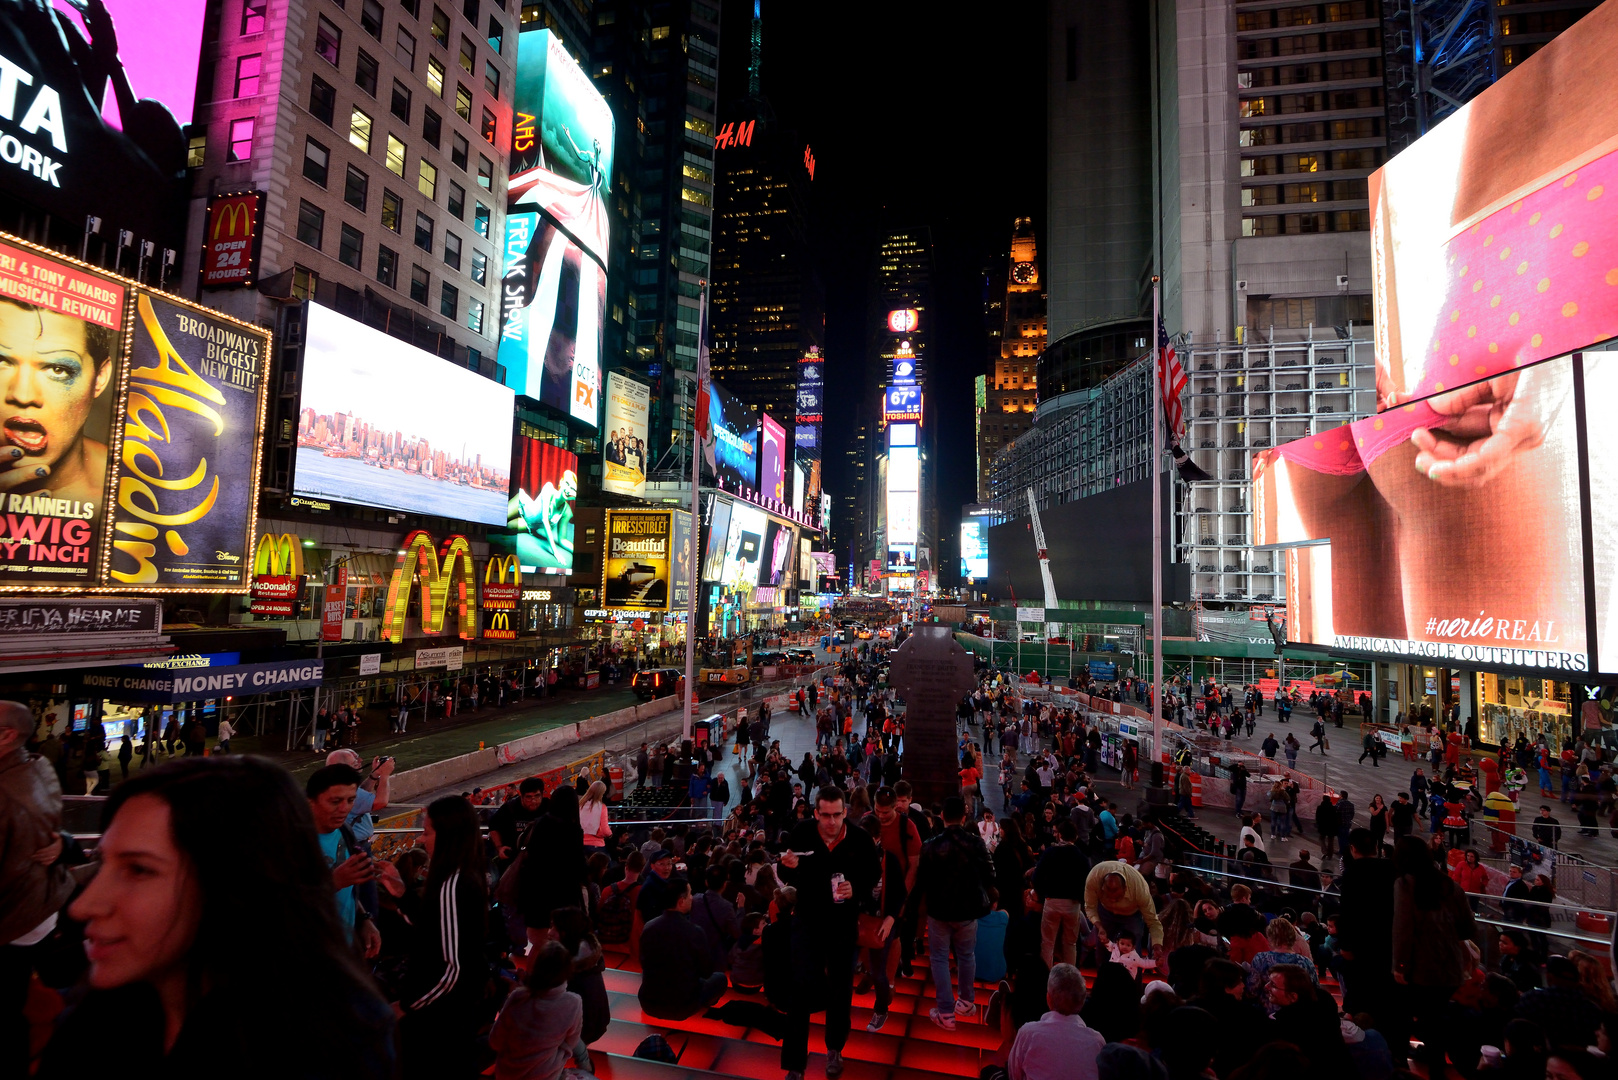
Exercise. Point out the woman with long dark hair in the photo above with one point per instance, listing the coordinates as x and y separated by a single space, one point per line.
182 890
446 974
553 873
1431 923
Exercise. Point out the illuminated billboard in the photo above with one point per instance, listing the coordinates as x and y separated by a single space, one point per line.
718 531
779 542
1491 469
1600 390
553 293
772 458
974 548
744 546
92 92
176 508
624 436
636 565
902 404
811 388
539 517
800 480
231 239
904 320
735 438
382 423
1491 236
903 514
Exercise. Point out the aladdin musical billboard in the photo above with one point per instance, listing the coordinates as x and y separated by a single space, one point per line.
539 526
1492 235
157 450
96 90
554 290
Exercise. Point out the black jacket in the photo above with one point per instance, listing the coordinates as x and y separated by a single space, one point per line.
446 952
1061 872
855 857
674 959
552 873
956 878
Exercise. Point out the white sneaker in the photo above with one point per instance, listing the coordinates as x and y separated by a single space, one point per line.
947 1022
965 1008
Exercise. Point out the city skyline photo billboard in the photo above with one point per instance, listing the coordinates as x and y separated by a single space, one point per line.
734 444
539 522
637 563
624 435
554 288
382 423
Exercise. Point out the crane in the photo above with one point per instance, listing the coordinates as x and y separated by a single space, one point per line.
1044 558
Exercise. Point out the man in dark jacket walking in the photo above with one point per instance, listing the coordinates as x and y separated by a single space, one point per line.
829 864
956 879
677 970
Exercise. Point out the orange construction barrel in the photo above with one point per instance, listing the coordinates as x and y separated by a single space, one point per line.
615 776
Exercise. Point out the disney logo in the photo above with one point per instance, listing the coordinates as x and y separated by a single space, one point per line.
225 556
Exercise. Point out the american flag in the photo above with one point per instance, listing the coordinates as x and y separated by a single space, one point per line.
1172 379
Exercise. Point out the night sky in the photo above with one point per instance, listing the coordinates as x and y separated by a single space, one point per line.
915 118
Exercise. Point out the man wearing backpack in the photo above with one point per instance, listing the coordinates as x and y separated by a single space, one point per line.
956 879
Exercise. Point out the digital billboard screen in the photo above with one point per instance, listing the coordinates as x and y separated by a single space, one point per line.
1480 229
553 293
637 560
772 458
624 450
539 517
718 529
733 451
1493 471
1601 446
811 389
382 423
744 546
902 404
974 548
903 516
800 480
779 541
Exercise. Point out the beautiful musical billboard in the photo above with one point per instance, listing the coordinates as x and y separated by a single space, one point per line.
624 449
735 438
1492 234
637 560
772 458
553 293
382 423
1446 530
539 518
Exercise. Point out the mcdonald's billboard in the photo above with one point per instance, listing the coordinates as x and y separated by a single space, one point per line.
436 572
230 244
499 594
499 625
277 575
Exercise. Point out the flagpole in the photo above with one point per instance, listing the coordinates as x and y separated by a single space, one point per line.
1157 519
694 572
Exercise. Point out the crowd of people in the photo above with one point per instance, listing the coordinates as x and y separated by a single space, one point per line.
229 919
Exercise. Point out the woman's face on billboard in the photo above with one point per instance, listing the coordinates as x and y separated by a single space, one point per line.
48 383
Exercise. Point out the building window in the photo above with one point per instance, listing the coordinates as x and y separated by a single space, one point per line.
328 41
449 300
248 69
400 105
424 231
660 33
355 188
241 140
452 250
480 268
304 282
365 72
497 34
440 27
404 48
359 130
253 16
412 6
350 242
432 127
485 173
469 55
387 266
435 76
316 159
459 148
371 18
196 152
474 316
469 8
491 78
488 127
311 223
322 100
392 211
395 159
419 280
457 200
480 220
427 180
463 102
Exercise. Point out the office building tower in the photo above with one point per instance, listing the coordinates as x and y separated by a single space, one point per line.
1011 390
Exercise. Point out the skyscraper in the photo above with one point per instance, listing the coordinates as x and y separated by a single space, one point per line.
1011 393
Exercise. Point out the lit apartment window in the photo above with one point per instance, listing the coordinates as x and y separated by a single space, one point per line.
424 231
316 159
248 69
469 55
350 243
322 100
404 48
253 16
196 152
328 41
440 27
365 70
395 160
355 189
435 76
359 130
449 300
387 266
400 103
371 18
392 211
452 250
660 33
311 223
419 281
427 180
241 140
304 282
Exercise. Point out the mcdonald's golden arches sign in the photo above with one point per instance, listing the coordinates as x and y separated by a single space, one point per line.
447 578
502 583
277 575
230 242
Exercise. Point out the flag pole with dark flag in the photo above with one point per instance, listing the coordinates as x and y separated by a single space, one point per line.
1172 379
